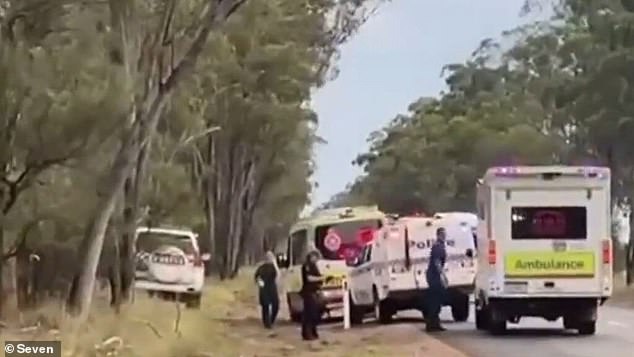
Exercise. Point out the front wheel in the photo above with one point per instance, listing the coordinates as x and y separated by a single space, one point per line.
356 313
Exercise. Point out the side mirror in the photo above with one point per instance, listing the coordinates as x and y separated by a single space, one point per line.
282 260
205 257
469 253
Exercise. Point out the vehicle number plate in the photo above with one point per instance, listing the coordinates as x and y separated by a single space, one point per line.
333 281
515 287
168 259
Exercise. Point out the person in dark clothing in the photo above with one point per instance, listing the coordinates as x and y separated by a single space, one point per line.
311 282
436 281
266 277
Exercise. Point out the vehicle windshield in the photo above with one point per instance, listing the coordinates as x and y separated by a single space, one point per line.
150 241
344 240
548 223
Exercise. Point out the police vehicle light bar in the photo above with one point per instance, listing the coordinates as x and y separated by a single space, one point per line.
515 171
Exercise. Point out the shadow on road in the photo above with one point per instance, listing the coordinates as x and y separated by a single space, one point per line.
517 333
252 322
372 321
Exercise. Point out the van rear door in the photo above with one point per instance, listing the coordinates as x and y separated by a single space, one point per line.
460 267
422 234
549 238
399 260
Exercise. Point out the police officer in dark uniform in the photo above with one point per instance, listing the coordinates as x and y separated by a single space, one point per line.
436 281
311 282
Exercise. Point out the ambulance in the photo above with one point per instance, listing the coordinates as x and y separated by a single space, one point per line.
390 273
339 234
544 246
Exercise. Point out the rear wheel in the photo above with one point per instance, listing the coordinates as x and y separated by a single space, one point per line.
295 316
460 308
193 301
423 311
480 318
382 313
497 327
569 324
587 327
496 323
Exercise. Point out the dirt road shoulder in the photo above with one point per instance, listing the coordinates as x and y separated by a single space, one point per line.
227 325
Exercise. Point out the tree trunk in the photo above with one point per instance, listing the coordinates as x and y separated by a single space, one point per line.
114 272
80 302
10 305
210 203
629 254
2 280
248 202
143 128
132 197
80 298
223 181
239 204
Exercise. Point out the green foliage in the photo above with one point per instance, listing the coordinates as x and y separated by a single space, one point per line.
72 72
562 93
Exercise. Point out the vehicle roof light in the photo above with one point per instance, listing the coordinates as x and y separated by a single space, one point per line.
347 213
587 171
593 171
507 171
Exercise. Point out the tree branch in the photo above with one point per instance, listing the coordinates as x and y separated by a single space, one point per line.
213 19
19 184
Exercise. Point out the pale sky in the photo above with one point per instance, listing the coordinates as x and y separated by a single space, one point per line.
395 59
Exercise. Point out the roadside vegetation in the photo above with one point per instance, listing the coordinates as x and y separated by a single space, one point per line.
195 113
227 325
558 91
116 113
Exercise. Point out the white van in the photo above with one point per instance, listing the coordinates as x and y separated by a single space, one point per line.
544 245
389 275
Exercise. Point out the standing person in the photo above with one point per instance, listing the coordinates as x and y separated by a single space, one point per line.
311 280
266 277
437 282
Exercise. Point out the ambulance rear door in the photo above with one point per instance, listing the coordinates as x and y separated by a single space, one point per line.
552 233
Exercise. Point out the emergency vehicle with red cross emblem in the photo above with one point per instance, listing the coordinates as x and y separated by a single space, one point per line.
339 235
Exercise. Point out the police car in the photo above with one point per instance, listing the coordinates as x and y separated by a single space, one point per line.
169 264
389 275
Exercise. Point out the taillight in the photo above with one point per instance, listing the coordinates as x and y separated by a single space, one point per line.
607 251
492 252
196 259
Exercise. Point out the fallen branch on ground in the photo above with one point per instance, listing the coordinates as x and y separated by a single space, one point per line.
156 332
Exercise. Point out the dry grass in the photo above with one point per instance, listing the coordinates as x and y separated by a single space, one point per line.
227 325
